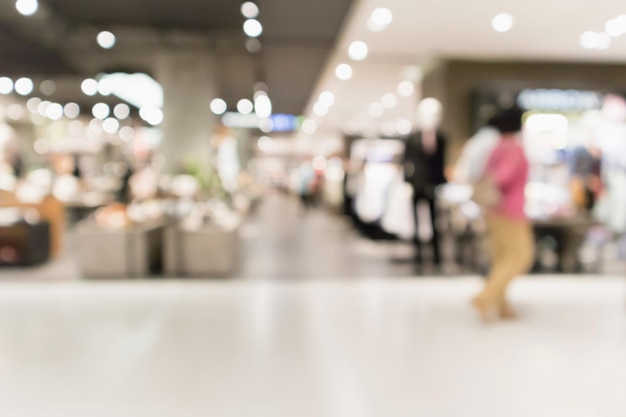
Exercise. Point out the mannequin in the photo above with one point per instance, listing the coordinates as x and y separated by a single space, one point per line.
424 168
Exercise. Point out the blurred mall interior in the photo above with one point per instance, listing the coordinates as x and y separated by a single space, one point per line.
269 208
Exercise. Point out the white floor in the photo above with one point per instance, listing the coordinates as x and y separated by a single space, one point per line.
368 348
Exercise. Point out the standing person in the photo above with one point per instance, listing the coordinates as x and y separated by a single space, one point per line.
424 164
510 232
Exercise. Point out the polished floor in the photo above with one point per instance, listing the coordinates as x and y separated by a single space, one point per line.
367 348
317 323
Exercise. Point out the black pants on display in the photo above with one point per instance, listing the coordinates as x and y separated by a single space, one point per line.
419 245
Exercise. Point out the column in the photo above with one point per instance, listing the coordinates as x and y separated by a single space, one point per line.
189 84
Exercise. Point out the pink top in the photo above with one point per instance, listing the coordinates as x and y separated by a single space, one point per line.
508 167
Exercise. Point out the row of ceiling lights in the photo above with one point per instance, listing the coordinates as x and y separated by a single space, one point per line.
105 38
614 28
358 50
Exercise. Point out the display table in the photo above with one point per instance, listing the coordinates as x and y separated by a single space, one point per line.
209 251
130 253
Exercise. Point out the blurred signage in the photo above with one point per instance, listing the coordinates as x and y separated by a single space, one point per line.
279 122
559 100
285 122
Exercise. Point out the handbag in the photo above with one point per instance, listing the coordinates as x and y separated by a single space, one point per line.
486 192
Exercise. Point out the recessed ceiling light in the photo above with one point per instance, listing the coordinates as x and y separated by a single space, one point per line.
595 40
47 87
327 98
253 45
249 10
89 87
71 110
152 115
245 106
309 126
262 105
106 39
100 111
33 104
253 28
6 85
375 110
111 125
105 86
403 126
502 23
389 101
218 106
358 51
24 86
54 111
343 72
320 109
379 19
27 7
406 88
121 111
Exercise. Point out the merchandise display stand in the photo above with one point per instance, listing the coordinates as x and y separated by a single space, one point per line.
129 253
209 251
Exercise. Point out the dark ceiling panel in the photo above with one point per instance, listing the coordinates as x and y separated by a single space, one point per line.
179 14
298 35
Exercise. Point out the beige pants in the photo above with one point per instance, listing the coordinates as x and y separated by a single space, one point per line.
512 251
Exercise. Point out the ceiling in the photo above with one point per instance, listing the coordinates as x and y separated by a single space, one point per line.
425 30
58 43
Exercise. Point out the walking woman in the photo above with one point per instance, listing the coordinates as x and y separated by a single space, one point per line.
510 232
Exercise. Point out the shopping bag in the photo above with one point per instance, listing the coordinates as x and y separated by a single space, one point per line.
398 218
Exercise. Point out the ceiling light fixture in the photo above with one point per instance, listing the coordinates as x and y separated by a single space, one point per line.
71 110
358 51
24 86
320 109
121 111
327 98
253 45
152 115
595 40
249 10
375 110
106 39
27 7
502 22
218 106
406 88
245 106
343 72
262 105
47 87
100 111
111 126
389 101
89 87
54 111
379 19
253 28
6 85
309 126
